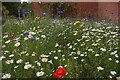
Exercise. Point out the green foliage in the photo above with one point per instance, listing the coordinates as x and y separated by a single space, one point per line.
27 7
60 6
12 7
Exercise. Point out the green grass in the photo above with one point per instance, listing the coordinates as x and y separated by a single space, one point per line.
84 66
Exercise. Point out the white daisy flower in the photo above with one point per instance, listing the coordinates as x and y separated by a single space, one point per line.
116 55
43 36
19 61
94 44
75 57
97 54
8 75
43 55
70 46
44 59
16 66
90 49
82 60
56 45
33 54
109 59
113 72
117 61
32 33
102 49
118 78
50 62
6 51
2 57
27 66
65 65
7 41
11 55
55 57
25 38
27 62
110 76
78 52
9 61
17 44
38 64
41 73
27 54
5 36
30 36
100 68
59 50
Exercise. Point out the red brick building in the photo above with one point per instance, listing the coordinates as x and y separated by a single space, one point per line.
103 10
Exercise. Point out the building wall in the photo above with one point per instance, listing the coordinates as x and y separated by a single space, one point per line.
103 10
108 10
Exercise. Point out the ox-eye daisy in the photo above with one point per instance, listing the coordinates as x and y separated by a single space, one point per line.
9 61
113 72
8 75
100 68
41 73
17 44
19 61
44 59
27 66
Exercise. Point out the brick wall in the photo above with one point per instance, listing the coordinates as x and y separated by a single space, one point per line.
108 10
103 10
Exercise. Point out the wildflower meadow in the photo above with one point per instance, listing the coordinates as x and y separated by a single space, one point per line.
43 47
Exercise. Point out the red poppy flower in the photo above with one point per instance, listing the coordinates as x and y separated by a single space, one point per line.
12 36
60 72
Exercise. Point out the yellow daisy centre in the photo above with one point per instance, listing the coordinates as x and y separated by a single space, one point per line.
44 59
9 61
27 66
39 73
6 76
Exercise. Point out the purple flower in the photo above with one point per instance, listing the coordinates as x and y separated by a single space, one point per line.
106 10
27 33
25 12
118 33
112 13
115 49
43 13
110 19
32 39
54 16
60 12
91 19
66 22
26 20
52 36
